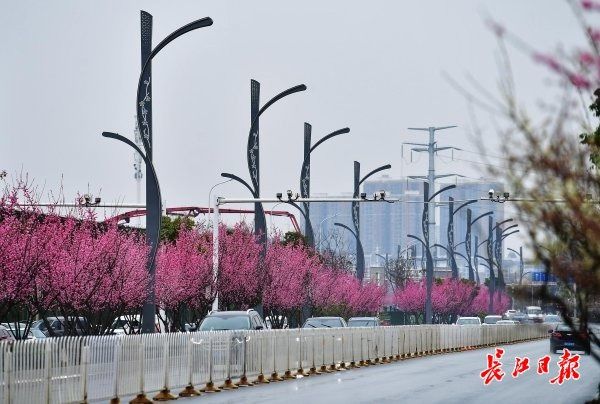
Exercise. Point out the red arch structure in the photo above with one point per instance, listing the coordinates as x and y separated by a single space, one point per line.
194 211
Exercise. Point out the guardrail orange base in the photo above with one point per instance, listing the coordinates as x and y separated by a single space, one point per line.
228 385
261 379
164 395
244 382
210 388
140 399
275 377
189 391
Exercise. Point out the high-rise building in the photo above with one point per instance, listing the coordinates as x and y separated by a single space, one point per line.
384 226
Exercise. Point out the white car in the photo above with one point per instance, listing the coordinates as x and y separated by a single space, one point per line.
510 313
507 322
534 314
468 321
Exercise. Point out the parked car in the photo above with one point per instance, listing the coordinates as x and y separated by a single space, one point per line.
59 328
363 322
5 334
534 314
325 322
506 322
491 319
468 321
232 320
564 337
509 314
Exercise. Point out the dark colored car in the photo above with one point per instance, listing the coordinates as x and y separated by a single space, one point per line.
232 320
363 322
564 337
324 322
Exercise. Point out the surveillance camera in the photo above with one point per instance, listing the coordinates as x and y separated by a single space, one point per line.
289 193
382 194
87 198
97 200
491 193
506 195
279 195
363 195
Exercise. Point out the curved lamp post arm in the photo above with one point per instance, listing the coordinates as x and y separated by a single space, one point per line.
442 247
153 177
285 93
501 223
241 181
484 264
201 23
417 238
515 251
482 216
461 255
332 134
463 205
440 191
346 227
375 171
509 234
306 218
509 227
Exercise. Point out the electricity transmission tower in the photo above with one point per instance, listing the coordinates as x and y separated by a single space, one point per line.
431 148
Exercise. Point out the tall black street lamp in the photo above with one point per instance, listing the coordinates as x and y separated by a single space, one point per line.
144 120
305 176
450 250
490 259
360 256
521 263
473 273
499 237
253 155
427 248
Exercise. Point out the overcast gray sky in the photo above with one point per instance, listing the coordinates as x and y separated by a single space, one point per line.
69 71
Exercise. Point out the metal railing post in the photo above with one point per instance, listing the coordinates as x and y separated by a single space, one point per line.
189 390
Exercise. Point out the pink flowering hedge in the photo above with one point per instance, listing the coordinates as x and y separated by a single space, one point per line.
450 298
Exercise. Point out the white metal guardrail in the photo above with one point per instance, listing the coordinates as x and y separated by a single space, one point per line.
79 369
